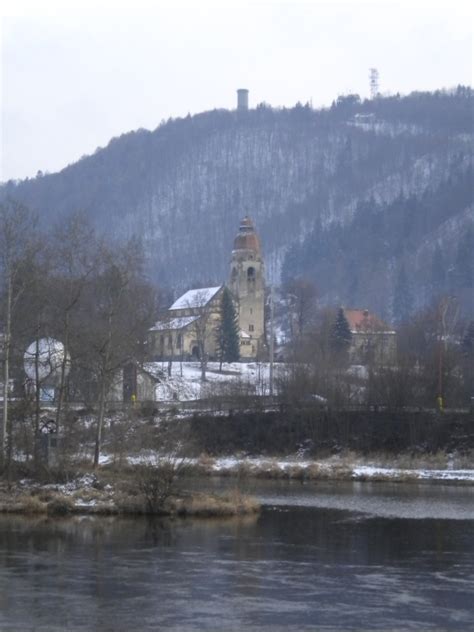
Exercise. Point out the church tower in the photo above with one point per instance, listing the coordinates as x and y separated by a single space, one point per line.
248 288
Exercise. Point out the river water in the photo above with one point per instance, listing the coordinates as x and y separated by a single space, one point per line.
346 556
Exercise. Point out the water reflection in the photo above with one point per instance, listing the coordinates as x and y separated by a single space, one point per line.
294 566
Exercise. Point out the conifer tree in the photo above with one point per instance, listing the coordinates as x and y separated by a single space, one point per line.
467 348
402 306
341 335
228 331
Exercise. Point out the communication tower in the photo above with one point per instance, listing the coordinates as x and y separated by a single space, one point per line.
374 82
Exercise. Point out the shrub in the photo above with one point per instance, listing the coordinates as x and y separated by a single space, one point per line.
156 483
60 506
32 504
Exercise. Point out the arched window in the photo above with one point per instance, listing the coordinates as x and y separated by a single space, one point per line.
251 278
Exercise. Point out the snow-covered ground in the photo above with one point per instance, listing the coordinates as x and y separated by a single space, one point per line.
332 467
184 384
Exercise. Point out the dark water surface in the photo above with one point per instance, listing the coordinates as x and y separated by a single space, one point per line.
322 557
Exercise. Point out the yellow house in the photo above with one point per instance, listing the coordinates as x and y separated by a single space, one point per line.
373 341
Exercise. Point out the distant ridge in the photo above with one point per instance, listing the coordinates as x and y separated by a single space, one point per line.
183 187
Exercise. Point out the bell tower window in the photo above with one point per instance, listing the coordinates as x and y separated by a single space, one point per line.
251 279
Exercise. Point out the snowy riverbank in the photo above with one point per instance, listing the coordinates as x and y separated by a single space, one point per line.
331 468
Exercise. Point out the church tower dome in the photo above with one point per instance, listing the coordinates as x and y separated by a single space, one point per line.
246 238
248 288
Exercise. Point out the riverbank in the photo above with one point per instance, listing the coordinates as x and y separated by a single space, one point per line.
332 469
90 494
149 483
347 466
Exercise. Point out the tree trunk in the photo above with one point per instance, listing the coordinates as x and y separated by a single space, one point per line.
6 371
62 382
37 403
100 423
103 391
203 363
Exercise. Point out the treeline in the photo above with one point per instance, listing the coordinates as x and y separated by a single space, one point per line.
65 284
292 169
427 362
396 257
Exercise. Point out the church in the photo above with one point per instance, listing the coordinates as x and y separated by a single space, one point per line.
187 330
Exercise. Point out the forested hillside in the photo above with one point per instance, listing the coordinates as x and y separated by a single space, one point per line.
356 197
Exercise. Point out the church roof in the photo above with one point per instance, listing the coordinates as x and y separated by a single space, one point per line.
195 298
173 323
247 238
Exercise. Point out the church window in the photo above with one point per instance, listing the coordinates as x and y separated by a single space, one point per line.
251 328
170 341
251 279
179 341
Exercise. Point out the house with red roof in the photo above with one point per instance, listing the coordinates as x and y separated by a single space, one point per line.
373 340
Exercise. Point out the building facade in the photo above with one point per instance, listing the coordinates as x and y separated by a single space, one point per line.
188 328
373 341
247 285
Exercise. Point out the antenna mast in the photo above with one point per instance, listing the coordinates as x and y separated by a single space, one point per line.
374 82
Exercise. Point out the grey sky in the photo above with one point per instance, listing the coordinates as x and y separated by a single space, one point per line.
74 76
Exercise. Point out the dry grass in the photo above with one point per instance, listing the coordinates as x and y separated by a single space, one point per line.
88 494
22 503
233 503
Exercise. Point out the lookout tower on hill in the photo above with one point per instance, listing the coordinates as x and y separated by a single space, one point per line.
247 285
242 99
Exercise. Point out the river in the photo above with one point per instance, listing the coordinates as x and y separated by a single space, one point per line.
345 556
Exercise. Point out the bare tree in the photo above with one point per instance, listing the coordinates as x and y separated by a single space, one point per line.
75 249
204 326
118 315
18 247
300 295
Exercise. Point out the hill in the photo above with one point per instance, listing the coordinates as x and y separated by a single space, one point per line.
347 196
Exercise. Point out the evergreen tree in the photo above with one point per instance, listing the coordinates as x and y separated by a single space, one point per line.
468 341
402 306
467 347
228 331
438 273
340 333
464 262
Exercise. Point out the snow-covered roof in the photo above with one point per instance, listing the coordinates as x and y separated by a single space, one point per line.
195 298
244 334
173 323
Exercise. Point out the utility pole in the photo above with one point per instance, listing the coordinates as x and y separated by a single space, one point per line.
271 341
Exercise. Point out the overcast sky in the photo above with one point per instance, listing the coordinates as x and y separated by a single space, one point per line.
76 75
